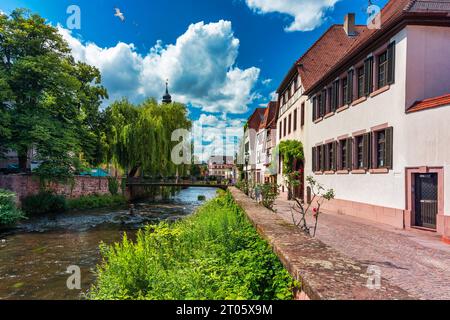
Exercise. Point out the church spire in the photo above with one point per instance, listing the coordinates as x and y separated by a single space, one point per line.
167 97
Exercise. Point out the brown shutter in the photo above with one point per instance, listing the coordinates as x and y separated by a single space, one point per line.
334 166
333 97
350 87
389 148
349 154
322 158
323 103
314 108
339 165
391 63
366 151
368 76
314 158
303 114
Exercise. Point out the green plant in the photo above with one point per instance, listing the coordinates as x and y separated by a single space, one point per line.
215 254
269 193
44 202
96 201
319 196
113 185
291 151
9 213
201 198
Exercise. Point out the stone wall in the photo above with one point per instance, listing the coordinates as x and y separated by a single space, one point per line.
25 185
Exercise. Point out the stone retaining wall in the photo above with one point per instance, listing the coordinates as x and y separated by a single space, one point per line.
325 273
25 185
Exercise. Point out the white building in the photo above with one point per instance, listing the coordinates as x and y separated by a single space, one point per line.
266 170
377 119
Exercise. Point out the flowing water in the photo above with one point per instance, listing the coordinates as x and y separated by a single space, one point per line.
34 256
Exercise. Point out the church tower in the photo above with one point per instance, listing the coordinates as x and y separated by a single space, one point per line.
167 97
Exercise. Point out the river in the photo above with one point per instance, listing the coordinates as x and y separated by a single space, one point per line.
34 256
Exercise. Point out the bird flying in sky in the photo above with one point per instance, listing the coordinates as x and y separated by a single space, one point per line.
119 14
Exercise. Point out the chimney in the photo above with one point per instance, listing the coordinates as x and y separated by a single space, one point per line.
349 24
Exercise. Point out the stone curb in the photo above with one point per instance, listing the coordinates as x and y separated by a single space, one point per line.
324 273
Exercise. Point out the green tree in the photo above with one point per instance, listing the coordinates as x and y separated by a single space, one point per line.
55 101
139 137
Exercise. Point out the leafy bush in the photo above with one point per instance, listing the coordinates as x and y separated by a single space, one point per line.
214 254
201 198
113 186
44 202
9 213
96 201
269 193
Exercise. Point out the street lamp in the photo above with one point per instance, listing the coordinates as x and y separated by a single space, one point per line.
247 160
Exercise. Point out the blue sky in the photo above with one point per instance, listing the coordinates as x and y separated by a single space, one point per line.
222 57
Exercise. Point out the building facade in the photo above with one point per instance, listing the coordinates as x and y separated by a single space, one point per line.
371 108
221 167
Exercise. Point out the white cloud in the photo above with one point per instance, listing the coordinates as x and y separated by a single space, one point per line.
217 136
307 14
201 68
267 82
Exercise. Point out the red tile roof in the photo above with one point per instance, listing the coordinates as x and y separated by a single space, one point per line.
256 118
270 115
391 16
324 54
321 56
430 103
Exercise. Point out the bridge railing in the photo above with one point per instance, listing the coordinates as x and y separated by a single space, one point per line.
165 181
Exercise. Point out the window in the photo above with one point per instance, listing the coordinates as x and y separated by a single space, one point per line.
344 154
322 101
303 114
295 120
368 76
344 91
391 63
360 79
321 158
382 70
382 148
330 159
284 129
362 152
359 148
290 124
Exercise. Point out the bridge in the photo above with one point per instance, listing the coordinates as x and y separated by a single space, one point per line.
137 186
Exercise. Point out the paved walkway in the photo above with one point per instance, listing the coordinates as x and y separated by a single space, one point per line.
416 261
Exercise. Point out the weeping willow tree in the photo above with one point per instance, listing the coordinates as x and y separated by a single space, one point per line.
139 137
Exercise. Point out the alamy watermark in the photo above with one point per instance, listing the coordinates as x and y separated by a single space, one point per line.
74 20
74 280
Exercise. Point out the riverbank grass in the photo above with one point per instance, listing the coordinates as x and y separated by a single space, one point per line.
9 213
215 254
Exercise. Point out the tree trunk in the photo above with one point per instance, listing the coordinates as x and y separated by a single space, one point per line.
23 160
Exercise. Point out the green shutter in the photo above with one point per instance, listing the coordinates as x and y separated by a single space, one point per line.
391 63
322 158
314 106
350 87
334 166
349 154
389 147
366 151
